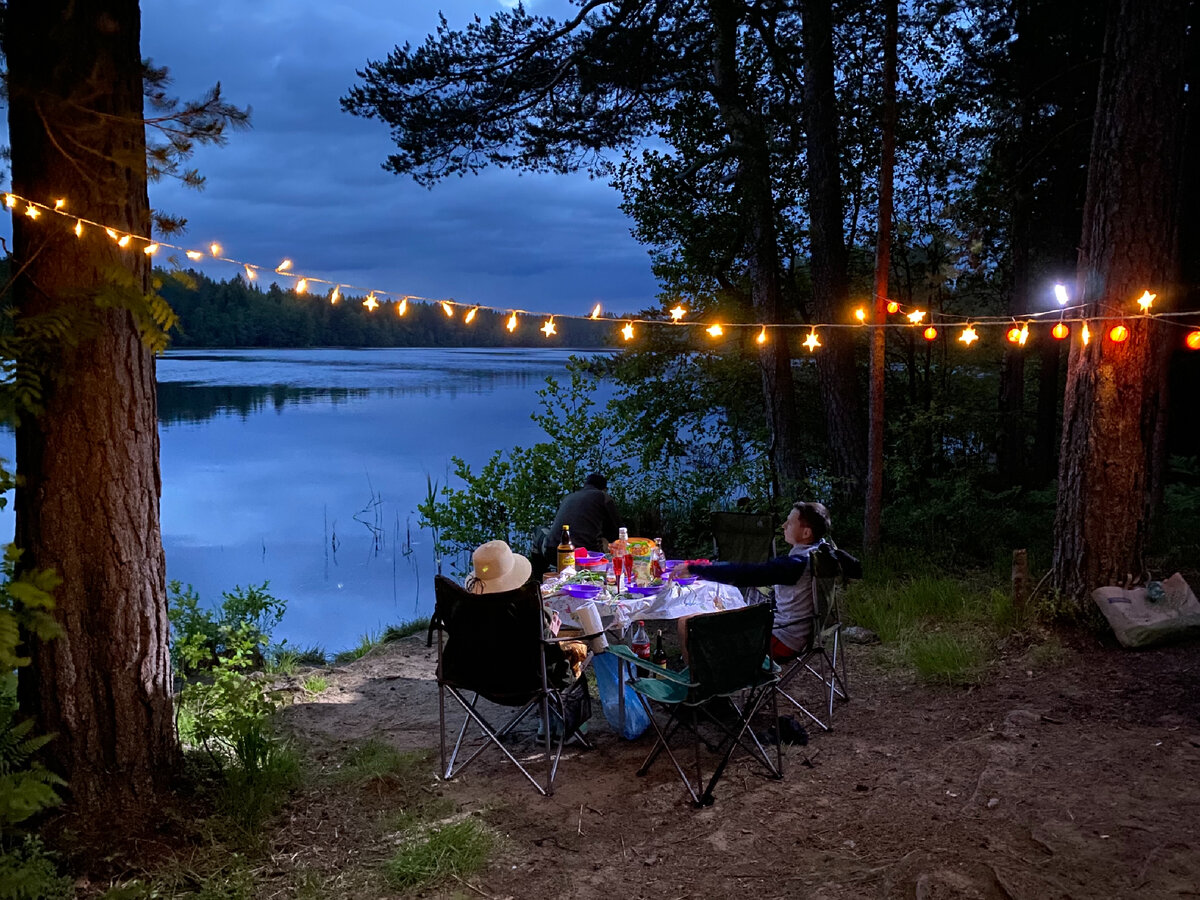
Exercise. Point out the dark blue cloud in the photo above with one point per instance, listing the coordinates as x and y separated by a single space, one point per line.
305 181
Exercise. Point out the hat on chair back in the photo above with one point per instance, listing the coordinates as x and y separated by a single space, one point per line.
498 569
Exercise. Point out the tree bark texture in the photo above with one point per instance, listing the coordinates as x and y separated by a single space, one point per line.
1130 243
835 361
749 138
88 505
873 507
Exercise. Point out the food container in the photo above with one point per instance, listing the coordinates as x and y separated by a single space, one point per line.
645 591
581 591
686 581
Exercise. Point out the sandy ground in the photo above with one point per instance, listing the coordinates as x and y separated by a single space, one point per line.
1073 778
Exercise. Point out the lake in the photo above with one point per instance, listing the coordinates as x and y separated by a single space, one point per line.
304 468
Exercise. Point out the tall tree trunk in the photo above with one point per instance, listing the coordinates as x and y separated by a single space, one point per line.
873 508
1129 244
835 361
88 504
749 139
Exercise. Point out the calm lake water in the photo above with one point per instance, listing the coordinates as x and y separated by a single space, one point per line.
304 468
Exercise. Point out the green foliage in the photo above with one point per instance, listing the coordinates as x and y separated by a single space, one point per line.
457 849
246 617
250 796
376 759
316 684
945 658
29 872
406 629
26 786
366 644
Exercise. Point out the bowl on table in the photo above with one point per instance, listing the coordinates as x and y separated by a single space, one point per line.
686 581
581 591
591 560
645 590
672 563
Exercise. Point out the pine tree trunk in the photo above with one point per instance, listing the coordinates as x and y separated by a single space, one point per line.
1130 244
835 361
88 505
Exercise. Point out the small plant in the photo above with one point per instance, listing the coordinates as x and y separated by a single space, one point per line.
30 872
316 684
457 849
199 638
947 658
375 759
366 644
405 629
281 660
249 797
312 656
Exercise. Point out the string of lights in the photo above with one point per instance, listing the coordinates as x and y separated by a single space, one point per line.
1067 318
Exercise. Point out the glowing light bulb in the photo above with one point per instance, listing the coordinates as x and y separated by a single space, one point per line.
150 249
335 295
32 211
596 311
302 286
1085 334
123 241
1018 334
1192 341
1145 300
194 254
892 306
677 313
811 341
402 306
214 248
371 303
512 323
250 275
930 333
916 316
448 310
548 329
1118 334
627 331
470 315
112 234
78 228
1024 333
1060 294
860 314
59 204
714 330
762 335
284 266
10 200
969 335
1060 331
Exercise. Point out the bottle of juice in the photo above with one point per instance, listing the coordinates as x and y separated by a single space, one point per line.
620 559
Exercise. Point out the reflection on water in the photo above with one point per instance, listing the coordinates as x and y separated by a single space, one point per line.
304 468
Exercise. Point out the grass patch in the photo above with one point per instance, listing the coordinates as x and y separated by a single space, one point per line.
248 797
281 661
366 644
375 759
312 656
406 629
950 659
458 849
316 684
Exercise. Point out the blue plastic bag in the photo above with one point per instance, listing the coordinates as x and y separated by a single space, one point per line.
608 681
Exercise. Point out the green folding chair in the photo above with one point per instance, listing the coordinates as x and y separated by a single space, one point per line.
729 678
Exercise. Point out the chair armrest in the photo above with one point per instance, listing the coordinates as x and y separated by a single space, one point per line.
683 679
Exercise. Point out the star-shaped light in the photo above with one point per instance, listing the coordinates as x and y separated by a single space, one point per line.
677 313
596 311
448 310
470 315
968 335
811 341
370 303
916 316
1145 300
32 211
512 323
548 329
59 204
714 330
627 331
10 200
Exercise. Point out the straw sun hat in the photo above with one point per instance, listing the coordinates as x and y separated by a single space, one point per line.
498 569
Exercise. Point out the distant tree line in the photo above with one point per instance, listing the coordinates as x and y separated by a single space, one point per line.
236 314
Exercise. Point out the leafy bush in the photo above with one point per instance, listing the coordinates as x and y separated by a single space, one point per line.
200 638
29 872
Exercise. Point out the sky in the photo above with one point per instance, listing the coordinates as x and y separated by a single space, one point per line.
305 182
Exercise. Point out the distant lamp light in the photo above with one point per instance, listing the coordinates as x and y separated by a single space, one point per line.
1060 331
194 254
1192 341
302 286
284 266
1118 334
930 333
1146 300
1060 294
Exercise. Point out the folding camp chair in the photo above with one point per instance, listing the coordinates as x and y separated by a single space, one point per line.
743 537
492 646
824 656
730 673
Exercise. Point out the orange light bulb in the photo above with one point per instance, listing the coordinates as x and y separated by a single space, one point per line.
1192 341
1118 333
1060 331
892 306
930 333
1014 335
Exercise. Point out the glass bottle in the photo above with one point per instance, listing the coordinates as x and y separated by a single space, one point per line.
640 642
619 550
566 550
658 562
660 655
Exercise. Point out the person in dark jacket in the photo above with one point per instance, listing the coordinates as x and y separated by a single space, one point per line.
806 525
591 514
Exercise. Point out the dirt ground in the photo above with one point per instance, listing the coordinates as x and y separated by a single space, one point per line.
1073 777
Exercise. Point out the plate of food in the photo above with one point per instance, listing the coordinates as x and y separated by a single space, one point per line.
581 591
589 560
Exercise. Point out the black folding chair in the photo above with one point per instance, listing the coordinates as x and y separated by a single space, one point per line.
493 646
744 537
823 657
728 679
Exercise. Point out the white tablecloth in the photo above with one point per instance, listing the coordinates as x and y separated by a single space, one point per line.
672 602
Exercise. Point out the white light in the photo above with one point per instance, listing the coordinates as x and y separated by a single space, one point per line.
1060 294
